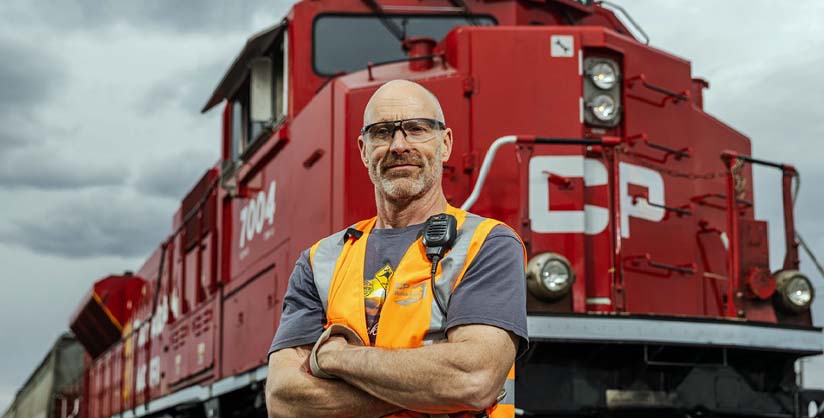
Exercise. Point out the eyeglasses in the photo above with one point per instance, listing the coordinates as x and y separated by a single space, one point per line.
414 130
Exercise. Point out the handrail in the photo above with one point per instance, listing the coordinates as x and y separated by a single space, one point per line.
684 269
679 154
490 155
511 139
631 20
733 161
702 200
676 97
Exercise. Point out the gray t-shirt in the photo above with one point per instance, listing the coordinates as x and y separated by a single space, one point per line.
492 291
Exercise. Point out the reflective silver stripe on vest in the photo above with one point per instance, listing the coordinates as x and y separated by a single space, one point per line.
323 264
509 387
451 267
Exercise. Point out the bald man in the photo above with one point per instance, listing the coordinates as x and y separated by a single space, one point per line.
363 332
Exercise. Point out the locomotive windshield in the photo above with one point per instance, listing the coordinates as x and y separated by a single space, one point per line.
346 43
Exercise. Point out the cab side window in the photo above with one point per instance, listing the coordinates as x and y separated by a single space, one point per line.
261 102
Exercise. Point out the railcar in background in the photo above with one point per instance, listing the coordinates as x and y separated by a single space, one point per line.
54 389
650 289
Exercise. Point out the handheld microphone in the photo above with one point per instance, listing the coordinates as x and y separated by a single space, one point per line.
439 234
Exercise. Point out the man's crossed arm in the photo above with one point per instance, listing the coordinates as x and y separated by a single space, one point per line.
465 373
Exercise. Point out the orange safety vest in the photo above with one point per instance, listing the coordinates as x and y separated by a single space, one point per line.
410 317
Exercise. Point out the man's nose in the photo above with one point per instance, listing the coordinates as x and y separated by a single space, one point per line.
399 142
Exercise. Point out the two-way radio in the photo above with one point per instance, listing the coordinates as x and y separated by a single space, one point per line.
439 234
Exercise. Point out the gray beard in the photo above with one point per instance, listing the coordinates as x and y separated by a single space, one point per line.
399 190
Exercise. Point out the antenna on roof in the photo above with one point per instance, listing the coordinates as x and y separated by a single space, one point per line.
390 25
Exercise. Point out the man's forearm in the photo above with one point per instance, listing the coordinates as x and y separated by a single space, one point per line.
325 398
293 392
439 378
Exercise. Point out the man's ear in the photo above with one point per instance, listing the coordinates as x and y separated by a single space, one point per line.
362 148
446 150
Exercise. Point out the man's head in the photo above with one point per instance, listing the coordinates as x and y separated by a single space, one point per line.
406 165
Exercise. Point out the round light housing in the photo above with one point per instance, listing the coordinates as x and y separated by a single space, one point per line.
794 291
603 75
799 292
549 276
603 107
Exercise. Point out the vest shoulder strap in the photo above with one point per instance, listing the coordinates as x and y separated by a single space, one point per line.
324 256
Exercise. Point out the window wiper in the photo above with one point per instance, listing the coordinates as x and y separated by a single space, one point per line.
390 25
466 12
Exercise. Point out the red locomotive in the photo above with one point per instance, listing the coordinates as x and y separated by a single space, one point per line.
649 283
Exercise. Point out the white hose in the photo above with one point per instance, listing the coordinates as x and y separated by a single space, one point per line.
490 155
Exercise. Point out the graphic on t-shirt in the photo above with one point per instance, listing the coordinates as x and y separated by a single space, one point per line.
407 295
374 294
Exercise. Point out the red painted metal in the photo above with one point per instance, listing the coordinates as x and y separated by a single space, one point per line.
616 273
101 316
420 53
524 153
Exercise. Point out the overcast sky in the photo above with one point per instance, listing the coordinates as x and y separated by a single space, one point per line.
101 135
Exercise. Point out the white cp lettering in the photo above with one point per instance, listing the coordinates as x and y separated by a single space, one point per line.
593 219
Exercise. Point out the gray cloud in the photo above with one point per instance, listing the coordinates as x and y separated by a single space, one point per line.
177 16
29 77
16 131
174 175
808 210
44 168
187 89
98 223
796 123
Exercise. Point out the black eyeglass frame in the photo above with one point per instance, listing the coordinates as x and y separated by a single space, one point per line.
396 125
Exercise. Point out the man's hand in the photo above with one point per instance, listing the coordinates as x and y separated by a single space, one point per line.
291 391
333 345
465 373
338 330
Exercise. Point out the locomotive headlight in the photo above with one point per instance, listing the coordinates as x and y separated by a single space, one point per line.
549 276
800 292
601 104
603 75
795 293
603 107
